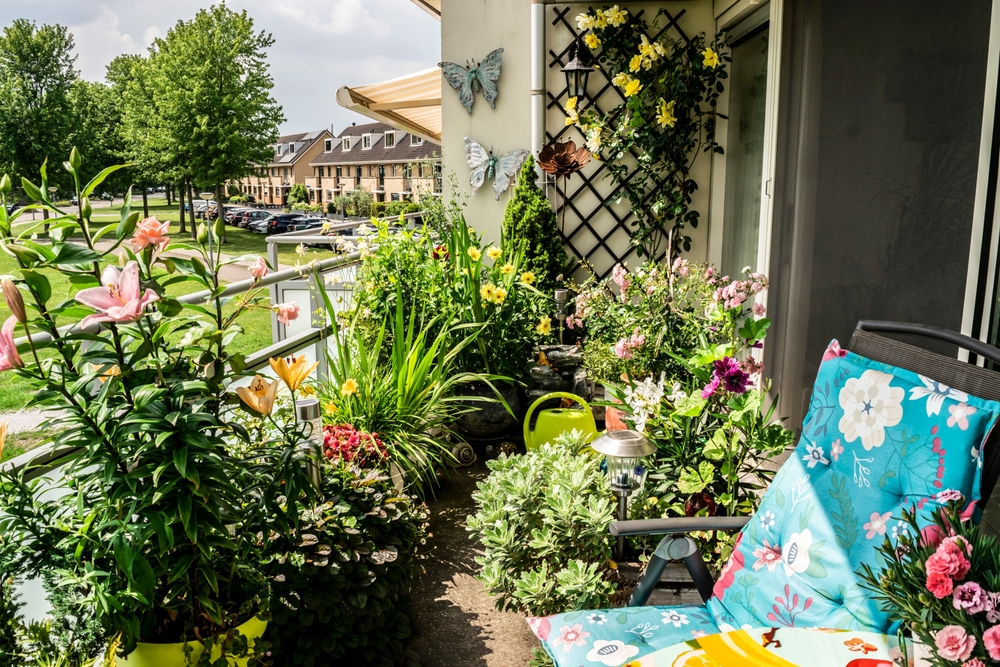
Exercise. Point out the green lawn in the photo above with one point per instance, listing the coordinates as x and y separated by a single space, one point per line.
14 393
19 443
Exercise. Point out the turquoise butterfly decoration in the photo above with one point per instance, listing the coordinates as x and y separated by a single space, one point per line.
472 78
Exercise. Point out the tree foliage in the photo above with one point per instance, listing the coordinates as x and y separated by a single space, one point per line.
530 226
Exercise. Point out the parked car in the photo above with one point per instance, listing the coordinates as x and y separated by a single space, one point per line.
303 224
251 216
231 212
278 224
197 203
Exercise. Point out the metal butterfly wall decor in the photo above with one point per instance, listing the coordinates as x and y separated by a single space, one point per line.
486 165
472 78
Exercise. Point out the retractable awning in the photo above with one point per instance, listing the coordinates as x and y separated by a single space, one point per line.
410 103
432 7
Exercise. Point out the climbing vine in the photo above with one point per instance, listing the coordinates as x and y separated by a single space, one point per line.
671 89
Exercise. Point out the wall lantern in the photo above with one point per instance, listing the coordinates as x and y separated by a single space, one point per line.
576 72
624 452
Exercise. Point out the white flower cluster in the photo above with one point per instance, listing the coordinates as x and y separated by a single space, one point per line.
644 400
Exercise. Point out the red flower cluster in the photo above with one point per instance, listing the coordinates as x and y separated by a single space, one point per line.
352 446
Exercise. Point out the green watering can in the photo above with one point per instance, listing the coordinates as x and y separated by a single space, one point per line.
554 422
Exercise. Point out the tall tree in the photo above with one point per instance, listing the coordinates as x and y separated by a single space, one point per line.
36 119
96 133
212 93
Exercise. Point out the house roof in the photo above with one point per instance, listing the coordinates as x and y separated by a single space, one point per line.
410 103
402 151
301 143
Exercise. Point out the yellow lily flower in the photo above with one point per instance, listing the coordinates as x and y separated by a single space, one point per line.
330 408
259 396
711 58
293 373
106 375
349 388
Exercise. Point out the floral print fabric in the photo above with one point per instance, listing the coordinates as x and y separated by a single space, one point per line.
876 439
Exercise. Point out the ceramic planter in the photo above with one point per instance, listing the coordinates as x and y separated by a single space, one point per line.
172 655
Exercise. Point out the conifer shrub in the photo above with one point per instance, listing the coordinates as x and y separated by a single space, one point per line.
530 226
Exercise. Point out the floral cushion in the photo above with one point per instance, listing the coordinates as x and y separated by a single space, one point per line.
615 637
877 439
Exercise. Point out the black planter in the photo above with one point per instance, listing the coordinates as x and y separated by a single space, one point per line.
490 421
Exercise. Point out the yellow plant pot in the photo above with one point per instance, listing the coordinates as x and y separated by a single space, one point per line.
172 655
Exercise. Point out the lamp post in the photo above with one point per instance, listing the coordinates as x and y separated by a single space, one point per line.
561 298
577 72
624 452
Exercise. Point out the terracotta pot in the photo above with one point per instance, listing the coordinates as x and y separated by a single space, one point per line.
172 655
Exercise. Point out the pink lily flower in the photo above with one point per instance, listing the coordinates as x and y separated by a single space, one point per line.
120 299
8 351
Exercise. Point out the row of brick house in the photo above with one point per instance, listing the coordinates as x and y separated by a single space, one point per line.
391 164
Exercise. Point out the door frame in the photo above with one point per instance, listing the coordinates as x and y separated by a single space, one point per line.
731 17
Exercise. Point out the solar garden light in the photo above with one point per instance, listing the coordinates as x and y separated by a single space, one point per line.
562 298
307 411
576 72
624 452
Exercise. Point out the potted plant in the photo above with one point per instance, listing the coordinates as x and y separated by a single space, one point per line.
157 518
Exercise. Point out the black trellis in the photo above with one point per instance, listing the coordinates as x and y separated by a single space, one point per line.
585 219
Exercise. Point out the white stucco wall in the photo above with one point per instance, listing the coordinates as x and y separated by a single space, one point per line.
473 28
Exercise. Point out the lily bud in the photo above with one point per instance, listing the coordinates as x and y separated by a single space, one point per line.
219 227
12 296
202 233
85 207
5 184
74 158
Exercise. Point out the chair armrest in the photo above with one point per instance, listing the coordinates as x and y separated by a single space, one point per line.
677 525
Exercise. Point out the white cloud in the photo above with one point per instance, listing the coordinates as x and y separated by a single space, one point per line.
99 41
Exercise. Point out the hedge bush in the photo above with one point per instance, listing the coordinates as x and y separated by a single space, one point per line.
340 590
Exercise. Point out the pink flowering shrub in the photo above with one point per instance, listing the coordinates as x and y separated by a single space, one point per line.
942 581
349 445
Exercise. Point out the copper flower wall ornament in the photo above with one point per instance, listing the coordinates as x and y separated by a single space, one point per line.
563 159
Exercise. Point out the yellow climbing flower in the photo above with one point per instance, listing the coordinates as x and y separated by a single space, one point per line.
633 88
584 21
660 49
616 16
621 79
499 294
571 104
487 291
349 388
711 58
600 20
474 253
635 64
507 269
592 41
647 50
527 277
493 252
666 118
544 326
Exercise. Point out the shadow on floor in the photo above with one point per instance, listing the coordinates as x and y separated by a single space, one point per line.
455 622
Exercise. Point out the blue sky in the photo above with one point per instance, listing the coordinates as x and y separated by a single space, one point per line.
320 45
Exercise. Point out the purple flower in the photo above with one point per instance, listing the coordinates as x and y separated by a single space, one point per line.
970 597
732 376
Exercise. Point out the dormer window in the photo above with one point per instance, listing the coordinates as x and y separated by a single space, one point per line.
416 141
366 141
390 139
346 144
291 148
328 145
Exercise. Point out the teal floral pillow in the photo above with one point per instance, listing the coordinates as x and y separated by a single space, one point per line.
877 439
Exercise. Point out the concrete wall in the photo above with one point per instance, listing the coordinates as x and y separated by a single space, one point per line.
473 28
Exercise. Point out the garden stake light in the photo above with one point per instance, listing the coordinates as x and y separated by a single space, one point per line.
624 452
